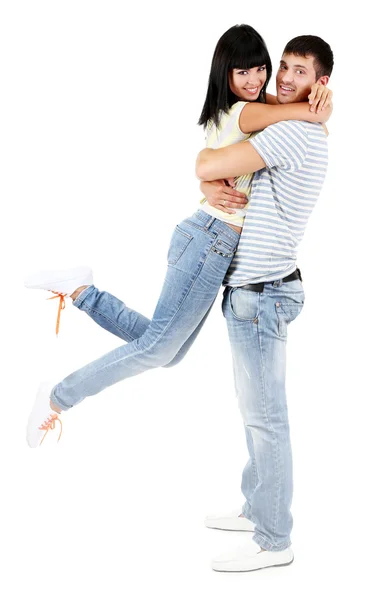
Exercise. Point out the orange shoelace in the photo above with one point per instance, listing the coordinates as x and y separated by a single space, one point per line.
50 423
60 307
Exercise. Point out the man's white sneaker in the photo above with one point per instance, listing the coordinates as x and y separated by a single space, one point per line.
249 557
42 418
229 522
61 282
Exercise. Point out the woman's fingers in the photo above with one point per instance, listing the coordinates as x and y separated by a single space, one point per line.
326 99
312 95
318 91
320 97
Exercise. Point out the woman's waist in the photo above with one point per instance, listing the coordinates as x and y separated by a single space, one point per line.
236 219
236 228
205 221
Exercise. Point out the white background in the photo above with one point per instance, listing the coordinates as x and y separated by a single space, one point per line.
100 102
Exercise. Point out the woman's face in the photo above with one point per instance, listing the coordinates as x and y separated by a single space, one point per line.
247 84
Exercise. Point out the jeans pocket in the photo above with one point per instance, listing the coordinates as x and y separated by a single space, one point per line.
286 313
223 248
179 242
244 304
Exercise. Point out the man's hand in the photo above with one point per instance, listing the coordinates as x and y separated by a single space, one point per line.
222 196
320 97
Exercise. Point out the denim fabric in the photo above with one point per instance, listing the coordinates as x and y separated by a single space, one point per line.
114 316
257 326
200 253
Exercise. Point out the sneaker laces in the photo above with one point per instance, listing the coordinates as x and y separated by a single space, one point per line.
60 307
50 423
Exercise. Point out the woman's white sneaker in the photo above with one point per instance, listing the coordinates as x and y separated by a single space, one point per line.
63 283
250 557
43 419
229 522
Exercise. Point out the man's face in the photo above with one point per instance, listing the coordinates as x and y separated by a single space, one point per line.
294 79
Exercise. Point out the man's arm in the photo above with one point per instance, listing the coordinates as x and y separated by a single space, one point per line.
231 161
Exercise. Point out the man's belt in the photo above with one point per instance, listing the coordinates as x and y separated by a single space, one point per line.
259 287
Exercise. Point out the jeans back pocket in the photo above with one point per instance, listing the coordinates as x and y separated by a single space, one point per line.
179 242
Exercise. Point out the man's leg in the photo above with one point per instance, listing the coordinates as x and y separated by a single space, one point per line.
257 325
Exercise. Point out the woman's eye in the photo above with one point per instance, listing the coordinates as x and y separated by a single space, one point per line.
243 73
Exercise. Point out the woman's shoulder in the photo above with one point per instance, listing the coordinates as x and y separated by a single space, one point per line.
232 114
228 131
236 108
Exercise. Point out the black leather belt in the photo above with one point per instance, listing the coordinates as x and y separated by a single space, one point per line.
259 287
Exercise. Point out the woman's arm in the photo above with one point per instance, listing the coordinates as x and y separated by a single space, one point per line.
256 116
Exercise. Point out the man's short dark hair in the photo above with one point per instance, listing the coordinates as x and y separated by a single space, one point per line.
311 45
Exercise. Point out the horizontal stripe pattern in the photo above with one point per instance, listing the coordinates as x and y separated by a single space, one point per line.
283 196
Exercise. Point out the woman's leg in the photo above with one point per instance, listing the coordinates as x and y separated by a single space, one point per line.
200 253
113 315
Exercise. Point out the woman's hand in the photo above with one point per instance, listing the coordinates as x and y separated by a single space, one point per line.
222 196
320 97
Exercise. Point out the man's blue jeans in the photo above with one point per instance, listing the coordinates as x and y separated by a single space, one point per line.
257 326
200 253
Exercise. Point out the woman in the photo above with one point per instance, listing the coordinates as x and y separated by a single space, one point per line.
200 252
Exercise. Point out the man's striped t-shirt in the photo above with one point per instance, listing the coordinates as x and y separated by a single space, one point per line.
283 196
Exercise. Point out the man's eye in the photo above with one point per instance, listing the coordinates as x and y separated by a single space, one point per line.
300 72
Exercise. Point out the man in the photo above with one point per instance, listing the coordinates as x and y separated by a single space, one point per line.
264 294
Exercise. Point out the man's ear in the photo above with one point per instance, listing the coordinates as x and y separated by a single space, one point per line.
323 80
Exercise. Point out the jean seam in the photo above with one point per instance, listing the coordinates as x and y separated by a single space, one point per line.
204 229
215 234
97 312
276 507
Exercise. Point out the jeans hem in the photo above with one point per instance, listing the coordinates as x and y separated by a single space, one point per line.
81 297
262 541
55 401
266 545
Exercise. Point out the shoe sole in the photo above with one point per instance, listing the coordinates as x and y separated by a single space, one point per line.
234 530
258 569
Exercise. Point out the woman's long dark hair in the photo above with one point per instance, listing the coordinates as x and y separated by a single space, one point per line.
241 47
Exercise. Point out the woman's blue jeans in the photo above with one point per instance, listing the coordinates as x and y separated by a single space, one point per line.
200 253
